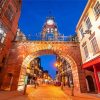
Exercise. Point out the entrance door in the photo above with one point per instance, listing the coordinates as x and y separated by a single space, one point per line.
9 79
90 84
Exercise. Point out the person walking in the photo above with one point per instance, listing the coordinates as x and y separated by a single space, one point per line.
35 82
62 85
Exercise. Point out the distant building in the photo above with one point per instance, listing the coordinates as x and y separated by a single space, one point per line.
36 66
64 73
9 16
88 32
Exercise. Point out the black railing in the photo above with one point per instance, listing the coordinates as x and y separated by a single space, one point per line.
47 38
52 38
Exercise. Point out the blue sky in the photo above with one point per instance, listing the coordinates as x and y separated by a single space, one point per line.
47 62
65 12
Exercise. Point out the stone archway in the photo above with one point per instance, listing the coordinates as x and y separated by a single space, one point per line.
70 60
23 52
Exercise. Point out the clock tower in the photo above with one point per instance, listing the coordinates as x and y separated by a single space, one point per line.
50 31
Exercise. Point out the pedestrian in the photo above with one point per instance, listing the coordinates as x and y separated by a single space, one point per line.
35 81
72 89
62 84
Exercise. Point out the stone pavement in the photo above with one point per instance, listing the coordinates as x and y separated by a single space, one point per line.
44 92
7 95
82 96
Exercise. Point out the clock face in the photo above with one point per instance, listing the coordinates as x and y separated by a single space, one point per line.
50 22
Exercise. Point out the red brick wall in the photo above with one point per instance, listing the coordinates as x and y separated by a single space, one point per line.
11 27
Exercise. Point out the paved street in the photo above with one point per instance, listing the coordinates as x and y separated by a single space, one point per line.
48 93
44 92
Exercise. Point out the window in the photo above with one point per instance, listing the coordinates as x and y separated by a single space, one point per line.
2 34
88 23
86 51
81 31
97 8
94 45
9 13
1 2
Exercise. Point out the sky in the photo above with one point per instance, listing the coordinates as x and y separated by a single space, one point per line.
65 12
49 64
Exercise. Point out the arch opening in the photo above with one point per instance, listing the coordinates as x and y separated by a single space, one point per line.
67 78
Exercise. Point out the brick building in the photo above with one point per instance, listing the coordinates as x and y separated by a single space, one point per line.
88 31
9 16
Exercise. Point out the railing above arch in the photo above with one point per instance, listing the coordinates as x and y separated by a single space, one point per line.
49 38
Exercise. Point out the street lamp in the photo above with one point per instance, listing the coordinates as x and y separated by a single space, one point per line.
56 64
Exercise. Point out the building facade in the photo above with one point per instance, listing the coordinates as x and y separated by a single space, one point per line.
64 73
88 32
9 16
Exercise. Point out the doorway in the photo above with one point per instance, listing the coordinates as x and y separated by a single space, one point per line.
90 84
9 80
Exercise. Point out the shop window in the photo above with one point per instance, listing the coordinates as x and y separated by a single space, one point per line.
2 34
97 8
86 51
88 23
9 13
94 45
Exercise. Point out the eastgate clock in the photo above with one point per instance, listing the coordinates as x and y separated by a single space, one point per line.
50 22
